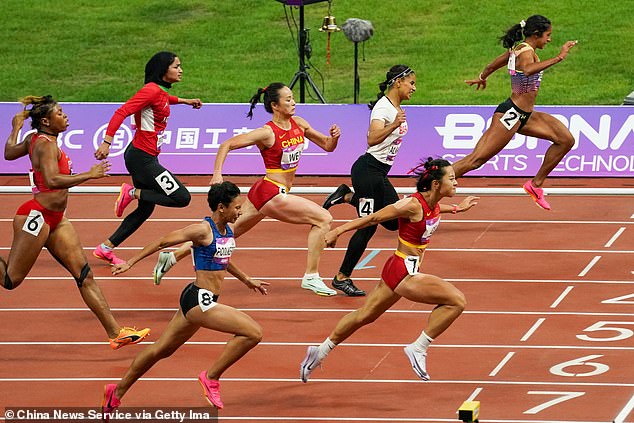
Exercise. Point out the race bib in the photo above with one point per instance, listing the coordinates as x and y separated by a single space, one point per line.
206 299
224 249
393 149
366 206
291 156
160 139
430 227
510 118
34 223
167 182
411 264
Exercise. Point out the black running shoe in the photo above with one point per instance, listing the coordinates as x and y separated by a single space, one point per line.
337 197
347 287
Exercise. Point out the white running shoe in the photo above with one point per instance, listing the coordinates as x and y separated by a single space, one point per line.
317 285
165 262
418 360
310 363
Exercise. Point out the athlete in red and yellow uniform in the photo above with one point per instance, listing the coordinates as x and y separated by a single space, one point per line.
281 142
41 222
418 217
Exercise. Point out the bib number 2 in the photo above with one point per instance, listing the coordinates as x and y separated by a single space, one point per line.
510 118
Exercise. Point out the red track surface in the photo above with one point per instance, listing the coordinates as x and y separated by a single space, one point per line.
525 272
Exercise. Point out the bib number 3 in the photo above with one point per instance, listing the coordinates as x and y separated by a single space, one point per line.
167 182
34 223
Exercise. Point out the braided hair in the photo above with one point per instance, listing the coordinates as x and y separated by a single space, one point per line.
534 25
429 171
395 73
271 95
41 107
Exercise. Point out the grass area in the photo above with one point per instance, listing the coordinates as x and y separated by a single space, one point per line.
88 50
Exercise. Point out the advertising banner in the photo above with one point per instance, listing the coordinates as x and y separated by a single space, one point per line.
604 138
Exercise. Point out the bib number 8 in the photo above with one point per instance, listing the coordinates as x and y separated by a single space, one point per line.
205 299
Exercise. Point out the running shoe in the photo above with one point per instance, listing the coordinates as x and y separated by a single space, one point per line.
124 199
537 194
310 363
165 262
347 287
418 360
211 390
317 285
128 336
110 401
337 197
106 255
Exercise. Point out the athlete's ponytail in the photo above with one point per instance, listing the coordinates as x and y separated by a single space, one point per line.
41 108
394 74
534 25
271 95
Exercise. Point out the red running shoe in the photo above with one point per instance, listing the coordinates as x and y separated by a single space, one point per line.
124 199
537 194
110 401
211 389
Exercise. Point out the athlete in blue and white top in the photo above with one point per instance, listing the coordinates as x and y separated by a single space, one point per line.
213 244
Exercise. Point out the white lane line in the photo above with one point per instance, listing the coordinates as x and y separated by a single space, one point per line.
295 380
305 344
501 364
331 310
474 394
561 297
620 418
391 249
294 279
589 266
533 328
614 237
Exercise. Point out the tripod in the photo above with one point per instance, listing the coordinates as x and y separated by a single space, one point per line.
302 74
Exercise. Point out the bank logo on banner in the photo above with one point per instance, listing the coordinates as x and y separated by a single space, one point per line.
120 141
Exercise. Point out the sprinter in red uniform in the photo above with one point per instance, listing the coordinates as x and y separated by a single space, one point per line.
418 218
40 222
152 184
281 142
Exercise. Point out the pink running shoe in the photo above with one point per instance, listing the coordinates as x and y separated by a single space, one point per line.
124 199
537 194
110 401
211 389
105 255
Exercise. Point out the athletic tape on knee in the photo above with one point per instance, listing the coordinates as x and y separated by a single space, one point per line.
82 276
8 284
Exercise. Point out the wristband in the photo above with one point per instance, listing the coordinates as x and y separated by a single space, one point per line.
481 78
454 210
107 142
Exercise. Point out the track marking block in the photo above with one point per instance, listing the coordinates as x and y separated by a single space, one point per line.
469 411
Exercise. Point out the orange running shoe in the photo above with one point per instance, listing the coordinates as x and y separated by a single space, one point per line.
128 336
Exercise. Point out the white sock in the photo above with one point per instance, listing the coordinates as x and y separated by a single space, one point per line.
422 342
311 275
131 192
105 247
325 348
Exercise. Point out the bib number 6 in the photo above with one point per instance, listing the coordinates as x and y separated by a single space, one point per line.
34 223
